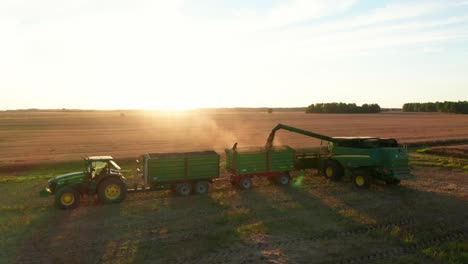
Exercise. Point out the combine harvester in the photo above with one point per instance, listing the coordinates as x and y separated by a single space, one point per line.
365 160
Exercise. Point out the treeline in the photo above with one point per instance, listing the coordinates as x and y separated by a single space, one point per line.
342 108
460 107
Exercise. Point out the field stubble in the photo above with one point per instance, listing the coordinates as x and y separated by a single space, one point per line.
315 222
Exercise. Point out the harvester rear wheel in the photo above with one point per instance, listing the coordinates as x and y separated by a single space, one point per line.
184 189
283 179
201 187
67 198
333 170
245 183
112 190
362 179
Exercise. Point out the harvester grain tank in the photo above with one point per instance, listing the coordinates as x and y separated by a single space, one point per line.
364 159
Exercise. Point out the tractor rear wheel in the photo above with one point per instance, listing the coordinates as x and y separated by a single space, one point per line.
201 187
333 170
283 179
112 190
67 198
245 183
184 189
362 180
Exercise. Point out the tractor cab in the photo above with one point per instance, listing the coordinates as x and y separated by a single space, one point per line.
100 166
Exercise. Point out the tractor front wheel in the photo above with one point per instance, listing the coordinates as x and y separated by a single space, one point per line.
112 190
67 198
362 180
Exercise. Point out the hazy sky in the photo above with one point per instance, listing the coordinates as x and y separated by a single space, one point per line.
173 54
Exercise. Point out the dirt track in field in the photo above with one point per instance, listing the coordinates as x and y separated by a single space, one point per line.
316 222
37 137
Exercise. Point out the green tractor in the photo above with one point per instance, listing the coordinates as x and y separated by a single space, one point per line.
101 176
364 159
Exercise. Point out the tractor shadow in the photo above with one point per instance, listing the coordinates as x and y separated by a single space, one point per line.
71 236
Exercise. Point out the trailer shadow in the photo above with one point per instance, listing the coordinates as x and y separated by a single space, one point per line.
399 217
272 222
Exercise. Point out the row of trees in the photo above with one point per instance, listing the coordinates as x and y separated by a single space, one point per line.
460 107
342 108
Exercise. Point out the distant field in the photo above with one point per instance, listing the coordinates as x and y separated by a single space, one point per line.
35 137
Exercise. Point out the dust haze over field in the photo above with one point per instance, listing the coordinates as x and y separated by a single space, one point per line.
35 137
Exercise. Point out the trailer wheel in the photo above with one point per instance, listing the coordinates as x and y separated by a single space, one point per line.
283 179
112 190
245 183
67 198
333 170
362 180
184 189
201 187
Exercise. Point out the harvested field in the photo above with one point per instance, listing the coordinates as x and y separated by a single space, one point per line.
28 138
459 151
312 222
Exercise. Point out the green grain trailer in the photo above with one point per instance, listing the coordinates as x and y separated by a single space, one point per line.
183 172
364 159
274 164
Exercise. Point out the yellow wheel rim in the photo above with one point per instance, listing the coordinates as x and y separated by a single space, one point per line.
360 180
329 172
112 191
67 199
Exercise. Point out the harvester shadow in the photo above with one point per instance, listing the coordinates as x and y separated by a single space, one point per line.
403 202
280 215
401 216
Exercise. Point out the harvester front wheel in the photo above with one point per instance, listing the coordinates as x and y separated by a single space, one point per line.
184 189
362 180
67 198
333 170
201 187
112 190
245 183
283 179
